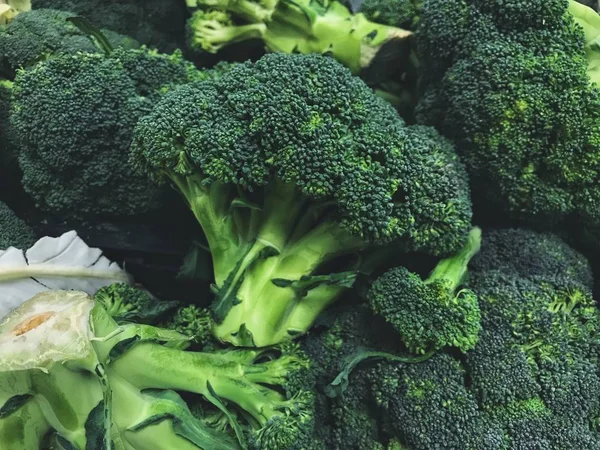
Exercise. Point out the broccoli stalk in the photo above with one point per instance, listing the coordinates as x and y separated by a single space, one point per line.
100 385
263 260
433 313
288 26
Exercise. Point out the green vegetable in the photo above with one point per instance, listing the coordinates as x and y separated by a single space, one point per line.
297 182
99 385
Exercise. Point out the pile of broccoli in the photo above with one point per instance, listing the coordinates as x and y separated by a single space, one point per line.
396 207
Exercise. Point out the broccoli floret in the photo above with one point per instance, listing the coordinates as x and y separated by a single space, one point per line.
122 379
396 13
433 313
74 116
428 403
35 35
156 23
14 232
511 79
526 253
295 180
127 303
291 27
192 321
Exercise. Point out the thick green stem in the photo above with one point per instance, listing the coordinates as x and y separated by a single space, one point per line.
211 207
266 310
149 365
454 268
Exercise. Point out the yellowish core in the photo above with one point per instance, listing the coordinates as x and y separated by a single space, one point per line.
32 323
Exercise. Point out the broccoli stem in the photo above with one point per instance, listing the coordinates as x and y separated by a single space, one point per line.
132 407
454 268
148 365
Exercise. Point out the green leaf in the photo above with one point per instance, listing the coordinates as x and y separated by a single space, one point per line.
93 32
309 282
95 428
168 405
337 387
14 403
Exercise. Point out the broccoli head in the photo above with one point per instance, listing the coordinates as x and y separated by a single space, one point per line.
156 23
35 35
508 82
14 232
433 313
526 253
74 117
109 384
296 180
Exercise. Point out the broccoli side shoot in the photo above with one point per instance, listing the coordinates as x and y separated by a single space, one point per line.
192 321
296 181
292 27
35 35
126 303
14 232
433 313
74 116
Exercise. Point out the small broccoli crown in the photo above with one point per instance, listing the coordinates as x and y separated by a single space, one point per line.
428 316
192 321
397 13
74 115
528 253
14 232
155 23
126 303
34 35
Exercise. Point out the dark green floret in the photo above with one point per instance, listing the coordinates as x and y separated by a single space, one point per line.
296 181
126 303
36 35
74 117
509 82
14 232
433 313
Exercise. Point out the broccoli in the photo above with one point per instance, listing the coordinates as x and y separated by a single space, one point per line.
291 26
192 321
156 23
114 385
35 35
396 13
434 313
526 253
127 303
531 381
508 82
14 232
74 117
297 182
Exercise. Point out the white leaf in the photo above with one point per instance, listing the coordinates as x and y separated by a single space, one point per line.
65 262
